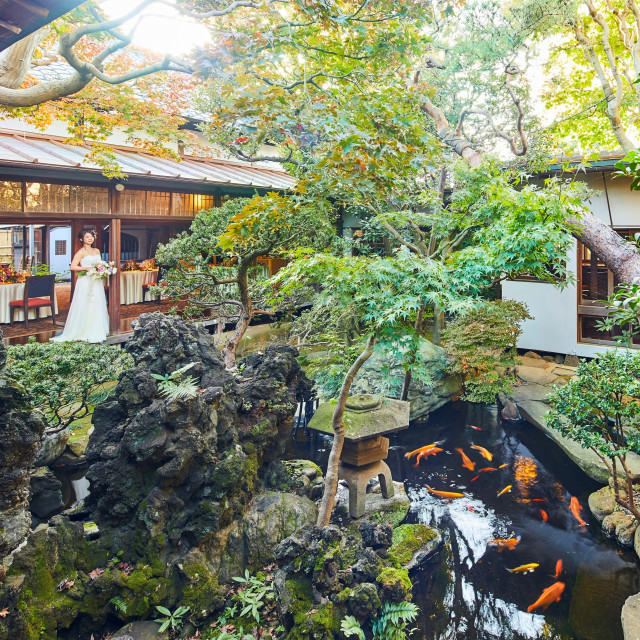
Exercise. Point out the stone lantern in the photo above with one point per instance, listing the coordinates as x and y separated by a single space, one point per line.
367 418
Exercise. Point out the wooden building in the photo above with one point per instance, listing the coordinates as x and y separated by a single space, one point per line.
44 181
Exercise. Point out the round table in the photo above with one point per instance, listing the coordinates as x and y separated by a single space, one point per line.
15 291
131 285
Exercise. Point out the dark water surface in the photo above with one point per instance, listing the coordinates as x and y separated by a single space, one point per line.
467 593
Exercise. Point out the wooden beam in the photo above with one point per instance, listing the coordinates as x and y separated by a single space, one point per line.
10 27
115 229
33 7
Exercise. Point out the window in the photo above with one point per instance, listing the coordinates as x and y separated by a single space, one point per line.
595 285
10 196
188 204
61 247
64 198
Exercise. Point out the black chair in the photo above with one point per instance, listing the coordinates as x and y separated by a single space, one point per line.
36 291
145 287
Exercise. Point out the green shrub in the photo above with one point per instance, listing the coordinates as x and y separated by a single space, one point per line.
64 380
482 340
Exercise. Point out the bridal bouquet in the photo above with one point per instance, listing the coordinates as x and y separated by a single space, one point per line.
100 270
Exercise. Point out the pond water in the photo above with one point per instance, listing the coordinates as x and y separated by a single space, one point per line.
467 592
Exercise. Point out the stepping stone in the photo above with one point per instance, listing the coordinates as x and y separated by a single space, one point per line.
536 363
535 375
531 392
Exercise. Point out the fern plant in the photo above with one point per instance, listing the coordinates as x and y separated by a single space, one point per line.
351 627
175 386
393 620
119 604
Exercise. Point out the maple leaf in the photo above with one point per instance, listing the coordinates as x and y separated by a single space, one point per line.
96 573
4 612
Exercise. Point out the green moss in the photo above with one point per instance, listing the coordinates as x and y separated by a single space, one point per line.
143 591
407 539
202 593
394 578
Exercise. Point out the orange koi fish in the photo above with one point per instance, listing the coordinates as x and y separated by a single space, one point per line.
544 516
502 466
445 494
504 543
426 454
474 478
525 568
466 463
556 575
507 489
549 595
538 500
483 452
472 426
487 469
576 509
421 449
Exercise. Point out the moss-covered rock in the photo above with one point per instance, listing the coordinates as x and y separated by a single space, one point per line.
395 584
412 543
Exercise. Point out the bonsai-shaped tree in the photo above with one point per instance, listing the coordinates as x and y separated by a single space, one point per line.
214 262
601 410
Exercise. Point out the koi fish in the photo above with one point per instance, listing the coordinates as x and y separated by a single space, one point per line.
487 469
426 454
445 494
525 568
474 478
472 426
556 575
483 452
549 595
544 516
466 463
425 448
504 543
507 489
502 466
576 509
538 500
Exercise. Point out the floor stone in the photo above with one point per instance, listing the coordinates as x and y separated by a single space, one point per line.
533 362
535 375
146 630
531 392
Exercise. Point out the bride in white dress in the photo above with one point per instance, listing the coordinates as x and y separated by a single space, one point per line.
88 318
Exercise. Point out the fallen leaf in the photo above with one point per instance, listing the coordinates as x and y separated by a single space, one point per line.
4 612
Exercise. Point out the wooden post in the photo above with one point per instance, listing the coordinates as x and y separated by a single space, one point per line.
76 227
46 242
115 228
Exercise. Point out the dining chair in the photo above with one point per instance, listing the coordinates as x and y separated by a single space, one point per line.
145 287
36 291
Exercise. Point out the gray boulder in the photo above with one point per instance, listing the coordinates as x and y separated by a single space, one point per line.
271 518
631 617
52 446
602 503
383 373
46 494
621 526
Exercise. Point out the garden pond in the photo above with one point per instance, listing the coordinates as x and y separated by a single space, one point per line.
467 592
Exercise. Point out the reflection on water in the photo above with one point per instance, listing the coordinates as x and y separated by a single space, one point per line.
468 593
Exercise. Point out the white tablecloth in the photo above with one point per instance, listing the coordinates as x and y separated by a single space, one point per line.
131 285
9 292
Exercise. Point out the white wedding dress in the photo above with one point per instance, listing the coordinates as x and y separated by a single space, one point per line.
88 318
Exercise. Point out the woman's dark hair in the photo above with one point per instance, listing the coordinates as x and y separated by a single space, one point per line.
82 234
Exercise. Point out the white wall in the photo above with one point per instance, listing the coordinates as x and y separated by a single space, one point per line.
61 263
554 326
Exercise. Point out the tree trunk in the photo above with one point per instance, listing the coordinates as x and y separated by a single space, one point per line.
620 256
15 61
331 479
246 314
438 325
413 355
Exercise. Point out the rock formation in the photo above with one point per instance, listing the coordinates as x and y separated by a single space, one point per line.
174 491
21 431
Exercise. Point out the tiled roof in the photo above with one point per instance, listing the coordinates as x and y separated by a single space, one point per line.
35 150
19 18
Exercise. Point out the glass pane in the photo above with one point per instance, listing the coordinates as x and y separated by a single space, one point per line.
10 196
132 202
48 198
89 199
188 204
